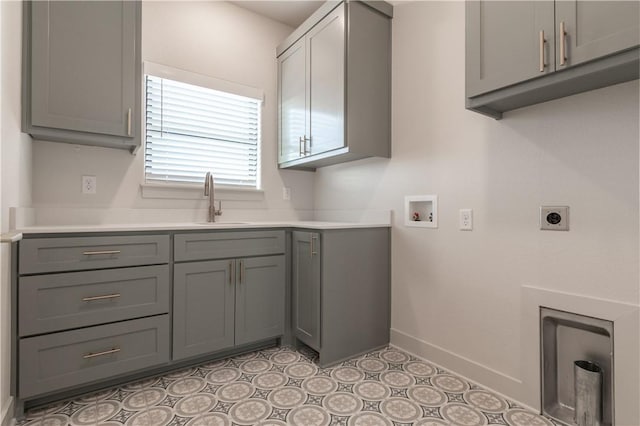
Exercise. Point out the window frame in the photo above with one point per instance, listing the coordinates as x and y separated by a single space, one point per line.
177 190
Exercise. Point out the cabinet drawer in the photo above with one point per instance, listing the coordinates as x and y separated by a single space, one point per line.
62 360
71 254
78 299
218 245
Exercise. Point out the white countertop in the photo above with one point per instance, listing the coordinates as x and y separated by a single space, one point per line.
132 227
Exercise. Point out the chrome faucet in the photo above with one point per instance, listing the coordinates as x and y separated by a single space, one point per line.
209 191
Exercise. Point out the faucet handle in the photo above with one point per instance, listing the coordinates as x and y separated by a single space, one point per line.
219 211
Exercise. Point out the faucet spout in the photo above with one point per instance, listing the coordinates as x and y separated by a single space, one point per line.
209 191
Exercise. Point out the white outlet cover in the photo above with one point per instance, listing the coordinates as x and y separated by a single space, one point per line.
466 219
89 184
286 193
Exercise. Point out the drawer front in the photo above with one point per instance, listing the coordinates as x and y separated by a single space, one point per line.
63 360
71 254
77 299
220 245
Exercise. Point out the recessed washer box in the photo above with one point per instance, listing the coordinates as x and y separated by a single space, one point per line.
421 211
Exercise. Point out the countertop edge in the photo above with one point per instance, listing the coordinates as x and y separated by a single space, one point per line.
65 229
10 237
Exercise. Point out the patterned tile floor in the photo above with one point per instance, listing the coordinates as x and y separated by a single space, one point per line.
281 386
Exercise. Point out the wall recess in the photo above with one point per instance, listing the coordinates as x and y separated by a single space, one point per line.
421 211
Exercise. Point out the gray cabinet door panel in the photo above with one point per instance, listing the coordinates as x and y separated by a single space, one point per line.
503 43
81 52
57 302
260 295
596 28
326 51
62 360
292 116
221 245
203 307
306 287
71 254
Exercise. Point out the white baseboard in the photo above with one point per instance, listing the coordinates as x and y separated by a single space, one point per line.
482 375
6 417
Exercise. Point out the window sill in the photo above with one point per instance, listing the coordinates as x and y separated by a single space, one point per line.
196 192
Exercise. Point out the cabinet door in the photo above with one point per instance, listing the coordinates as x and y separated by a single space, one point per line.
596 28
306 287
260 286
292 69
83 66
203 307
503 45
326 51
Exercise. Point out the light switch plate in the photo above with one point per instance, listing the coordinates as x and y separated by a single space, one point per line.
554 218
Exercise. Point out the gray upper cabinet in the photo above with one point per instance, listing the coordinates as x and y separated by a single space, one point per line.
520 53
325 43
292 94
595 29
504 47
82 72
334 86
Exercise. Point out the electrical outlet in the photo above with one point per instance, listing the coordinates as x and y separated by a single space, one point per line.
466 219
554 218
89 184
286 193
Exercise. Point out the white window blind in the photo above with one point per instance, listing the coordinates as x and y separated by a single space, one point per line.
191 130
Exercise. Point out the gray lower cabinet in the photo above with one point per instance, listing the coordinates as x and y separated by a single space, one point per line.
334 86
341 291
82 72
89 308
224 303
520 53
56 302
306 287
203 308
77 357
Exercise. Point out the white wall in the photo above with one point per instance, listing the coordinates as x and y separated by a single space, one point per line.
211 38
15 170
458 293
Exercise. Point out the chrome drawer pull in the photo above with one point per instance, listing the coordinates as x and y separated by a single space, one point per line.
109 352
106 296
96 253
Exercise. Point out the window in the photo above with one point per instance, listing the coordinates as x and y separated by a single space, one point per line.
191 129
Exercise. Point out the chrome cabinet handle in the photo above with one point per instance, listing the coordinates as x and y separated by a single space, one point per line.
96 354
129 122
96 253
230 272
542 44
106 296
305 145
563 41
312 250
240 272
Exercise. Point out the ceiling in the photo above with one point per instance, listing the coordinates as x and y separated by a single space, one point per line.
292 12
